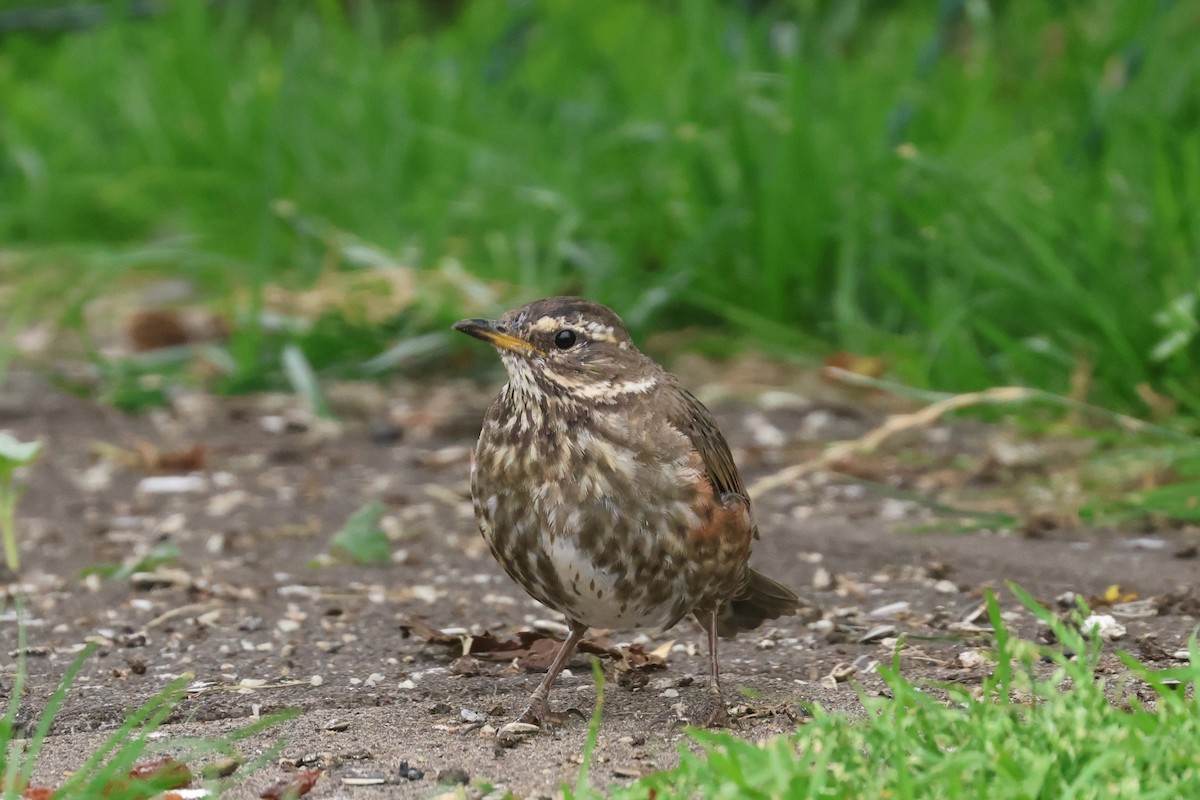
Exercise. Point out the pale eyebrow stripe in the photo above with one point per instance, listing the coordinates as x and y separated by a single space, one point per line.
546 324
597 331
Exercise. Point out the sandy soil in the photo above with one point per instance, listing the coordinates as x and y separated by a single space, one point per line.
259 616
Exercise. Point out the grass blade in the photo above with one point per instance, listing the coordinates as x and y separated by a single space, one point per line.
51 711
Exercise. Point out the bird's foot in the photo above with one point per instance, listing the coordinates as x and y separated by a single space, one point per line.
537 718
539 714
713 713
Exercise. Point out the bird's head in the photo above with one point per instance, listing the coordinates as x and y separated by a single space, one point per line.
567 347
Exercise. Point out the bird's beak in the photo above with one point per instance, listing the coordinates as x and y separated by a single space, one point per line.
488 330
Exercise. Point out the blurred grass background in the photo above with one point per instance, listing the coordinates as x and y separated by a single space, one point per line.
979 192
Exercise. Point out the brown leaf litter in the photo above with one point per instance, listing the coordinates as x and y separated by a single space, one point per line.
532 651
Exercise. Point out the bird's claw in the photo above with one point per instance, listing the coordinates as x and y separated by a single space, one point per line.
537 718
714 714
708 713
540 715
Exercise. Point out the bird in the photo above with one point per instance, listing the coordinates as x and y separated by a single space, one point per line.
605 489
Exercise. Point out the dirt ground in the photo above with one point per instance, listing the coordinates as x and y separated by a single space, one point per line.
262 619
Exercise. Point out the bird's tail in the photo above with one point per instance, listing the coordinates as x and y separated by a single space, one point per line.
759 600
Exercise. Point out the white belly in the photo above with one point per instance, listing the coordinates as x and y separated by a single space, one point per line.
596 599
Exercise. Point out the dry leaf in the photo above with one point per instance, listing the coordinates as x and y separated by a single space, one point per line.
1112 596
165 772
531 650
295 785
148 458
156 328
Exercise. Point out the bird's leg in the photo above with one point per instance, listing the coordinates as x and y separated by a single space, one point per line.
715 714
538 711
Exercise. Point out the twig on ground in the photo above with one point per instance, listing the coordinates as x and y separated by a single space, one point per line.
897 423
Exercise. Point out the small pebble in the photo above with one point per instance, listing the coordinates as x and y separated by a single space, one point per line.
1147 543
971 659
337 725
132 640
1066 600
1105 626
945 587
172 484
385 432
892 508
822 579
209 618
222 505
843 672
458 774
519 729
891 610
161 578
409 773
865 664
877 633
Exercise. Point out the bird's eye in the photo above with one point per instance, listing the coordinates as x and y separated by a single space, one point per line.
564 339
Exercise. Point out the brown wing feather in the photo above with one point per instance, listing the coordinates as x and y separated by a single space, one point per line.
759 598
696 422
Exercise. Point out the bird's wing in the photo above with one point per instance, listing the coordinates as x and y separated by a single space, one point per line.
696 422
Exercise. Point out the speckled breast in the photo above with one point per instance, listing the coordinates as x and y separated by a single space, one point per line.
595 520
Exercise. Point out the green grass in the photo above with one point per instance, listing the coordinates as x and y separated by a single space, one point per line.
1031 732
989 192
109 771
14 454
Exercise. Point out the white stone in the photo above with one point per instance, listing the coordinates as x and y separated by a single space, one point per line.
172 484
891 610
1105 626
